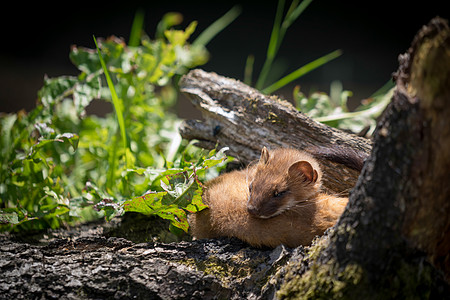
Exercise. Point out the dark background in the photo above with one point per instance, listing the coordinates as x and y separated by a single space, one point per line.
36 39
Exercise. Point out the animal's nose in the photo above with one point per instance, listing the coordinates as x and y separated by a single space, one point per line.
252 210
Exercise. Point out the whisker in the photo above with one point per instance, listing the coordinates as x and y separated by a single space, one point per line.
313 202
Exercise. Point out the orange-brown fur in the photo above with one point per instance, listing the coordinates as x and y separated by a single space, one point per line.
228 196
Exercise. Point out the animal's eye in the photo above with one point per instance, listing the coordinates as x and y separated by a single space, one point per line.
278 194
250 187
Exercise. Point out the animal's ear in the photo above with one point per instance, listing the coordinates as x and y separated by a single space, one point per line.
303 168
265 155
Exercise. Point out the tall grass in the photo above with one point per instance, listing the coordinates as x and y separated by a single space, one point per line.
280 27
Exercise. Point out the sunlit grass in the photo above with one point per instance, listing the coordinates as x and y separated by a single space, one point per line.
302 71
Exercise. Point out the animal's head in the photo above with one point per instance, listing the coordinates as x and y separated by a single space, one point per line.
282 179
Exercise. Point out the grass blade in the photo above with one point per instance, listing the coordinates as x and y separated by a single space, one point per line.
302 71
248 71
374 111
209 33
273 46
116 102
293 13
136 29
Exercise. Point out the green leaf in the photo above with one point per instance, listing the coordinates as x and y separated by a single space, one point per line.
136 28
56 89
215 28
85 59
85 92
176 216
248 73
170 19
9 217
151 204
196 202
179 37
302 71
70 138
215 158
117 104
273 46
147 204
294 12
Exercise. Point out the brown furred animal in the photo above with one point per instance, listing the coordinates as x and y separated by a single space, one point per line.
276 201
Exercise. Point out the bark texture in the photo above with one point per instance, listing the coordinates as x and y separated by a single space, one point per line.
90 264
393 239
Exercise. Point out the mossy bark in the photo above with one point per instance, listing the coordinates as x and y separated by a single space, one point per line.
393 239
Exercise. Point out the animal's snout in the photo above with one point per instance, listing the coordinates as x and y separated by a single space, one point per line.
252 210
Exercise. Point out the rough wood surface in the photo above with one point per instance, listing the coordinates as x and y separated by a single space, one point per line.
242 118
97 267
393 240
426 79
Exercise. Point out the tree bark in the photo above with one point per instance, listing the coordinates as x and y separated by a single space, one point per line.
392 241
97 267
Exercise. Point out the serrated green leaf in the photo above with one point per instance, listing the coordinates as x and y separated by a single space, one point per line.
176 216
56 89
85 92
85 59
147 204
196 202
8 217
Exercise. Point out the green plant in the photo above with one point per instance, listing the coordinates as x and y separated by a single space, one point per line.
279 29
60 165
333 110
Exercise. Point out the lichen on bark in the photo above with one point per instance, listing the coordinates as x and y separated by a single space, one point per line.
392 239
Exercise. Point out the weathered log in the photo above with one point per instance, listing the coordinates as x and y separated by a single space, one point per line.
245 120
97 267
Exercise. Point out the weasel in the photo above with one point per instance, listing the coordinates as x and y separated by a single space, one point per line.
276 201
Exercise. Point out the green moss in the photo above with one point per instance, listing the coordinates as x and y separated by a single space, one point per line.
317 245
272 117
322 282
234 270
405 277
